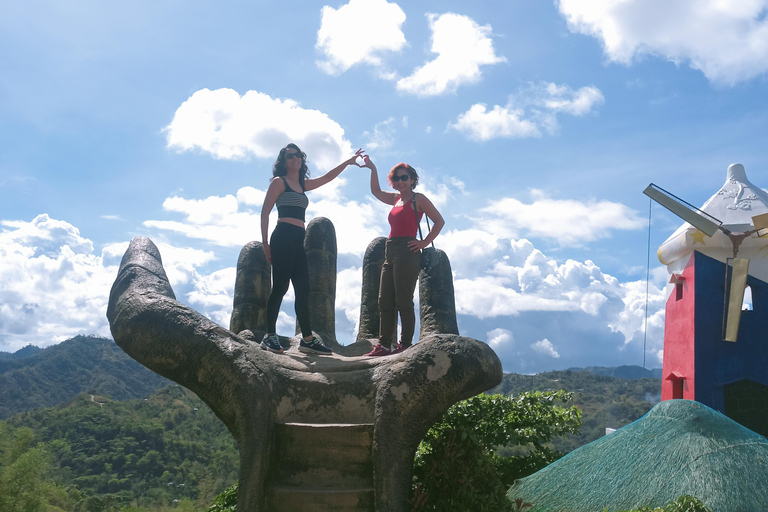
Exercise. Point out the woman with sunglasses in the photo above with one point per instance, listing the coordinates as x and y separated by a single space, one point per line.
402 254
285 250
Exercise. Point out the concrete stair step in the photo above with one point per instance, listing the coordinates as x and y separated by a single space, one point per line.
308 499
323 455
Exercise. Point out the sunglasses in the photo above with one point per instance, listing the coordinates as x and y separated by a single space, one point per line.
402 177
291 156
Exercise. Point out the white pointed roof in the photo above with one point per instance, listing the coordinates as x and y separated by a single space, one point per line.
737 201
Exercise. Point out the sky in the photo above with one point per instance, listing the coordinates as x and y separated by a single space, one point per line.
534 126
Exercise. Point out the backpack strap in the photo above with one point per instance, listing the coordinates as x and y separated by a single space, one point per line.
413 201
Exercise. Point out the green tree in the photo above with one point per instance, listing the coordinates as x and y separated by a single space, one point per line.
456 466
22 471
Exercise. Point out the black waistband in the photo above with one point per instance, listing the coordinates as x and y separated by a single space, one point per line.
291 212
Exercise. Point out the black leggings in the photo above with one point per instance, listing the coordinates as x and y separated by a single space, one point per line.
289 263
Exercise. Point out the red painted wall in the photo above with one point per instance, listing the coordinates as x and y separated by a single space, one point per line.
679 336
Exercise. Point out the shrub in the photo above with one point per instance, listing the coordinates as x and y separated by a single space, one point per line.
226 501
456 466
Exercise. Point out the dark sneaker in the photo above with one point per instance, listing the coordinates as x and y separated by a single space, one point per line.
314 346
272 343
400 348
378 351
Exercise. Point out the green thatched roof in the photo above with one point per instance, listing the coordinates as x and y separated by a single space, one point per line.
679 447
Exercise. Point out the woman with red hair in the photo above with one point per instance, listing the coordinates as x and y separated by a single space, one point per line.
402 255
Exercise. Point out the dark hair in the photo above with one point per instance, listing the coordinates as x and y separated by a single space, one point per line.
279 168
411 171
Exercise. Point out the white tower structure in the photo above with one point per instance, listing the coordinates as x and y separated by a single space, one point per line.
734 205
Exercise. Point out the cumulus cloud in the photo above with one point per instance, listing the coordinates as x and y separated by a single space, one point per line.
233 127
349 283
55 285
727 41
383 134
631 321
227 221
234 220
568 222
52 285
359 33
498 338
530 112
545 347
539 283
462 46
503 283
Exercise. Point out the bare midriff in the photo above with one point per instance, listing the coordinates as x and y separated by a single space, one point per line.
295 222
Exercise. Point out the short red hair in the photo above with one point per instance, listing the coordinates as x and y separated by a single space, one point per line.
411 172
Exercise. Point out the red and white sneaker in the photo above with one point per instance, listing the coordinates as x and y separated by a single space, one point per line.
378 351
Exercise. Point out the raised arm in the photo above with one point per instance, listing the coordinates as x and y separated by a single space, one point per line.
313 183
425 205
384 197
276 187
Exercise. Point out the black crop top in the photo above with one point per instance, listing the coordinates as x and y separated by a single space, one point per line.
291 204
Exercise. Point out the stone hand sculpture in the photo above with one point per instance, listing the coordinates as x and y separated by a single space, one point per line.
258 394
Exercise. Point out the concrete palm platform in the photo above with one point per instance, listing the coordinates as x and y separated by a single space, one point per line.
261 396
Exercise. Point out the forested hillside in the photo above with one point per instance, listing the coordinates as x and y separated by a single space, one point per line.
142 453
167 449
83 364
604 401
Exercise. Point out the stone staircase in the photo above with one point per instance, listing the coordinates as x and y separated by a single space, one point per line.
321 468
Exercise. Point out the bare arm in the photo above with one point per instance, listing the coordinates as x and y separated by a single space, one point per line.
384 197
425 205
276 187
313 183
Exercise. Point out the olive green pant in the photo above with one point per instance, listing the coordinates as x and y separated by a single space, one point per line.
399 274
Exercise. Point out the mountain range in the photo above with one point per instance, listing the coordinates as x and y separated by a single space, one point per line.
33 378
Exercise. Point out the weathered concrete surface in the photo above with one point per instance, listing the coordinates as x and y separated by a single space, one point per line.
369 298
320 245
252 390
437 302
252 286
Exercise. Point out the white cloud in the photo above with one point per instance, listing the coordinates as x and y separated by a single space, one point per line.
349 283
538 284
727 41
545 347
530 111
234 220
216 219
498 338
480 124
52 285
569 222
631 321
502 283
462 46
359 33
213 294
383 134
234 127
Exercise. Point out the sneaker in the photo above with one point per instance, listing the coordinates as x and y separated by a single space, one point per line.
314 346
378 351
400 348
272 343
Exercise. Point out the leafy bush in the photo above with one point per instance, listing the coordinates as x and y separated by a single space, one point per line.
684 503
457 467
226 501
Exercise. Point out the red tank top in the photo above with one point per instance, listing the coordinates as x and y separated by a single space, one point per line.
403 221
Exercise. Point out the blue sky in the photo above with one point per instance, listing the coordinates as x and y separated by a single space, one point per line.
535 126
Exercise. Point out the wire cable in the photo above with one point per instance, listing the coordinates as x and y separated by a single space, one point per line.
647 280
